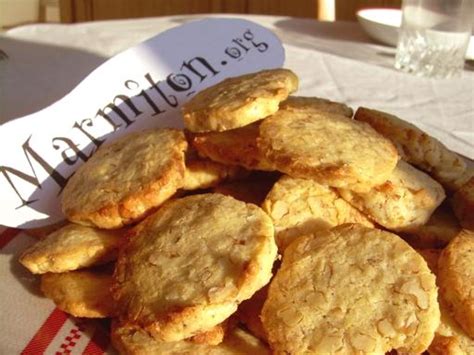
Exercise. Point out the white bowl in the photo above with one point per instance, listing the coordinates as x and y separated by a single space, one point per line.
382 25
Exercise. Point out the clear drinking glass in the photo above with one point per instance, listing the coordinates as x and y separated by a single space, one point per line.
434 37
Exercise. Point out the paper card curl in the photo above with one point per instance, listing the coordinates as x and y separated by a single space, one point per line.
139 88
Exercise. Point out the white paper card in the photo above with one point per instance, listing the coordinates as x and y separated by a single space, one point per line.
139 88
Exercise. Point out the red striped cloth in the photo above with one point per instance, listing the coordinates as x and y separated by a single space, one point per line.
59 330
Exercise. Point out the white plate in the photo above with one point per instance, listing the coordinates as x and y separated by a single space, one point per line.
382 25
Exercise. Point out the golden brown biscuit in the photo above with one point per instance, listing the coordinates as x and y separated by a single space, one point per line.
131 340
351 290
254 189
238 101
456 279
187 267
71 247
203 174
463 204
445 345
80 293
418 148
317 104
437 232
122 181
331 149
234 147
302 206
213 336
405 201
450 339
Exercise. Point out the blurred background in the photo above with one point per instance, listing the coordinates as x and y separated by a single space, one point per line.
19 12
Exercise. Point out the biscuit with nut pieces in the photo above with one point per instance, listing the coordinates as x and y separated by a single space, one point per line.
238 101
418 148
450 339
456 279
405 201
204 173
234 147
301 206
81 293
124 180
187 267
132 340
331 149
72 247
318 104
351 289
437 232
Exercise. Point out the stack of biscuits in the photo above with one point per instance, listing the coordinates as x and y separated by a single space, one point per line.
271 224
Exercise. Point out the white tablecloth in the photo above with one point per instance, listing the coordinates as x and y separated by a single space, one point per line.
334 60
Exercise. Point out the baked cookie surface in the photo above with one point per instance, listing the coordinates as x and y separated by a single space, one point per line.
331 149
456 279
238 101
204 173
302 206
437 232
405 201
351 290
186 267
80 293
71 247
317 104
235 147
131 340
122 181
418 148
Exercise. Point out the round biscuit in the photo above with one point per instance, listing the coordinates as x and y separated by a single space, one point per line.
318 104
418 148
187 267
456 279
238 101
450 338
234 147
331 149
122 181
437 232
302 206
132 340
71 247
404 202
351 290
204 173
80 293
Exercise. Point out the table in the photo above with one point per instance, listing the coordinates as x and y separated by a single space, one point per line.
334 60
